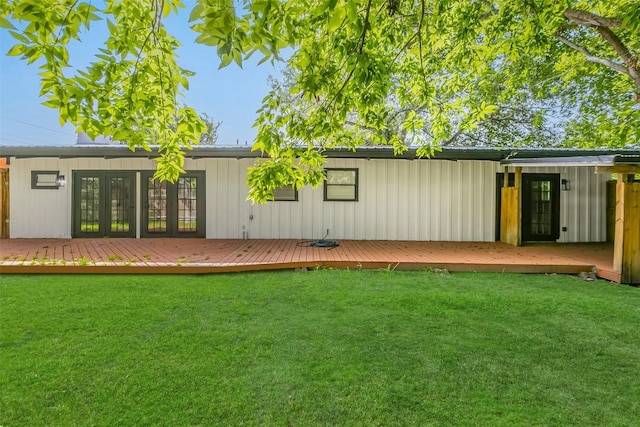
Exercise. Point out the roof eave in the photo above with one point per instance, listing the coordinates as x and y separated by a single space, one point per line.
504 155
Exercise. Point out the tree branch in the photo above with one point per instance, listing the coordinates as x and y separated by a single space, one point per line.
363 38
591 58
623 52
402 50
364 29
422 13
65 21
588 19
603 26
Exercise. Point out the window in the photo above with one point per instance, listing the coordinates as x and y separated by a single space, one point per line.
46 179
288 193
341 185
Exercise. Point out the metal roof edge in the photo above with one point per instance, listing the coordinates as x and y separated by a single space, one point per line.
561 161
119 151
367 152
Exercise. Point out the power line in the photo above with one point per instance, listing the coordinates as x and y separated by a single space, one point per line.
11 140
10 135
35 126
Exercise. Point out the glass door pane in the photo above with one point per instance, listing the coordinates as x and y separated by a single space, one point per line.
120 204
540 207
157 208
89 204
187 205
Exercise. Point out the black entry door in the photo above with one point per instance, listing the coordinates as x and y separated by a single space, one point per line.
540 207
104 204
174 209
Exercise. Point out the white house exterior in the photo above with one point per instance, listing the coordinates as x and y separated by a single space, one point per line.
449 198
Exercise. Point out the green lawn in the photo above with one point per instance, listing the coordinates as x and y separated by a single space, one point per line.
320 348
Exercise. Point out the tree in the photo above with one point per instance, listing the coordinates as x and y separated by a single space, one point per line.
131 92
210 135
356 64
524 120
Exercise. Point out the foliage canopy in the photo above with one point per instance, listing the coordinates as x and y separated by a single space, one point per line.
393 72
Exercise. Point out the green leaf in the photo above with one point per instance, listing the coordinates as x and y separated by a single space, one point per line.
352 10
52 103
16 50
237 58
196 12
4 23
166 8
336 19
20 37
112 27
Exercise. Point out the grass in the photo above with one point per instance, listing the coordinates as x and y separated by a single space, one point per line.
89 227
319 348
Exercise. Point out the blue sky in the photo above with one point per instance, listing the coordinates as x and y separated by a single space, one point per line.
231 95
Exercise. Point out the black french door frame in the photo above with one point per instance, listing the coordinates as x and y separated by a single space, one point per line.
173 209
104 204
540 207
531 229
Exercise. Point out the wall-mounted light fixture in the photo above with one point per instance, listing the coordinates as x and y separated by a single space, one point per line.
61 181
566 185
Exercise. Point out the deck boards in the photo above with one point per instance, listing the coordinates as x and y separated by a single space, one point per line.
222 255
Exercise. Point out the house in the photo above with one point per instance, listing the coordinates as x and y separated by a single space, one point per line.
461 194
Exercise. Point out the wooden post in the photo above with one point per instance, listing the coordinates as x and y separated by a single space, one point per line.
626 250
503 200
4 203
510 211
518 214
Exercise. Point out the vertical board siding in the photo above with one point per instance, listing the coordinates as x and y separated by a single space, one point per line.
39 212
414 200
397 200
583 207
47 213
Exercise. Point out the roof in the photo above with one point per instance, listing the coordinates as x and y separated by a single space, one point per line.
609 160
504 155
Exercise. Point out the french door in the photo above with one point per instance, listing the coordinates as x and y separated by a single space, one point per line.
540 207
173 209
104 204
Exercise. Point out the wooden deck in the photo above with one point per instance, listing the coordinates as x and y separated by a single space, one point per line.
196 256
